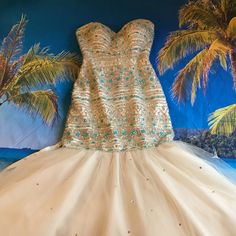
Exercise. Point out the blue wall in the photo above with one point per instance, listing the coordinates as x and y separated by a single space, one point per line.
54 22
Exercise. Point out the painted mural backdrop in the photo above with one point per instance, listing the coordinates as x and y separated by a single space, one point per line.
54 23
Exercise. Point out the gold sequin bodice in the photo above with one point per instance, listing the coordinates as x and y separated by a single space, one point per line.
117 101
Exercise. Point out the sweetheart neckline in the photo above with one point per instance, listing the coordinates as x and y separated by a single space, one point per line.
115 32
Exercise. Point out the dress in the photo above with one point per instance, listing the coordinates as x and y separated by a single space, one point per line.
117 170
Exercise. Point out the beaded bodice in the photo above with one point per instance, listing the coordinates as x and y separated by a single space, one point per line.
117 101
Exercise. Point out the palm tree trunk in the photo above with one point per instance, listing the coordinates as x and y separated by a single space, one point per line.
232 56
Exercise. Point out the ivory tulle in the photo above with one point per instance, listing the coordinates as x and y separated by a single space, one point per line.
171 190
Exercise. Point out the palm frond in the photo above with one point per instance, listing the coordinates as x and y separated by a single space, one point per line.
231 9
41 102
44 70
231 29
228 8
16 90
199 66
2 67
181 43
2 62
71 62
217 50
231 34
232 56
196 82
12 44
193 71
223 120
224 7
35 52
223 61
196 15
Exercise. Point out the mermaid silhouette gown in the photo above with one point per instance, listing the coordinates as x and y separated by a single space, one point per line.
117 170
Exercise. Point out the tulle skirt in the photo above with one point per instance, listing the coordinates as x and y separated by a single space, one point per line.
172 190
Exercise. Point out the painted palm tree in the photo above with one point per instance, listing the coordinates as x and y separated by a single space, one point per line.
207 34
21 76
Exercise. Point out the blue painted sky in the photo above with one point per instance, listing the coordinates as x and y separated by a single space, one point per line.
53 23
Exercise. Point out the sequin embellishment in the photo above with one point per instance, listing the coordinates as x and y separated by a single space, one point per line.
117 101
